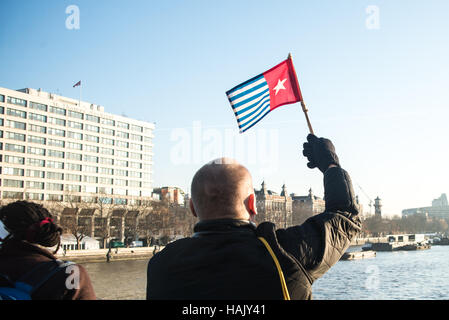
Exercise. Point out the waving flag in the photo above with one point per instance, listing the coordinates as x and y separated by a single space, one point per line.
77 84
255 98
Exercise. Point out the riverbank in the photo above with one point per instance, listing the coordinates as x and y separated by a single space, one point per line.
116 254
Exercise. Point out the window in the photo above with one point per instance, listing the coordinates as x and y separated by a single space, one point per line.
136 128
75 114
35 173
108 122
14 147
13 159
92 128
107 151
56 132
92 118
36 128
91 148
123 173
135 146
120 191
106 171
55 186
57 110
122 125
90 169
12 171
88 137
35 185
55 153
57 121
73 177
90 189
122 134
73 156
75 125
107 141
55 164
16 113
1 122
55 175
17 101
120 182
2 110
121 144
105 180
134 155
135 165
53 197
12 195
134 193
105 190
134 174
16 124
56 143
15 136
34 196
107 131
121 163
90 179
37 106
106 161
73 187
37 117
13 183
37 151
74 166
90 158
2 98
123 154
147 139
34 139
135 137
36 162
74 135
74 145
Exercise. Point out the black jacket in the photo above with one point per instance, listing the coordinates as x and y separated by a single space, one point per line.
225 260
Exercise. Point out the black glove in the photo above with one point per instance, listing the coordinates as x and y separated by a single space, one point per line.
320 152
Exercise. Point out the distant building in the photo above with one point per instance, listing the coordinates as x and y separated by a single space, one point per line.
171 194
439 209
306 206
274 207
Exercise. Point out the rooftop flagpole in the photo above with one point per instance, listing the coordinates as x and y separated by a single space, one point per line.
303 105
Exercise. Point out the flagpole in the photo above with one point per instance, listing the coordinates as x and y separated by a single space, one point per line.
79 104
303 105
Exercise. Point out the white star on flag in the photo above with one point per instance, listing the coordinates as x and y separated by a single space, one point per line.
279 86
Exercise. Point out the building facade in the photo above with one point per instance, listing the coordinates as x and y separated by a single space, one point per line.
59 149
439 209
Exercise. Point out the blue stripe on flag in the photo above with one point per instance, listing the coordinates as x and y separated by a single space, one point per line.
244 84
252 105
241 94
243 130
255 116
252 111
238 104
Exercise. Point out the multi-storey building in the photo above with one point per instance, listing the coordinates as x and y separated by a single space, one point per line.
54 148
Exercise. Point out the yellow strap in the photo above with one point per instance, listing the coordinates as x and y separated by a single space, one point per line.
278 266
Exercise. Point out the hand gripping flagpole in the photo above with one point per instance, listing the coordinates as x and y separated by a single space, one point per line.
303 105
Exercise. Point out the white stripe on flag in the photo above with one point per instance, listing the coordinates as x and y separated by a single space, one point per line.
249 103
238 116
249 95
254 116
253 121
249 86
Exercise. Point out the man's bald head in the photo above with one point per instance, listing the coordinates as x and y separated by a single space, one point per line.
220 189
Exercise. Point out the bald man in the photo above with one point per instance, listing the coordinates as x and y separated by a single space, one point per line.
225 259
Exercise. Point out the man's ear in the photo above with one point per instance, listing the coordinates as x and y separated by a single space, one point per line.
192 208
251 205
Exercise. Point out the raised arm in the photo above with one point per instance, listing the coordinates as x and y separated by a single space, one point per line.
320 241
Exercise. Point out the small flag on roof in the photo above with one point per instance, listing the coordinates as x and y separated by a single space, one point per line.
255 98
77 84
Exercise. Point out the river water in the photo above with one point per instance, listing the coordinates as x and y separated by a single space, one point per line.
400 275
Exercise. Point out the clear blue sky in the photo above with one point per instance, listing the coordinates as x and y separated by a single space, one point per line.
380 95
